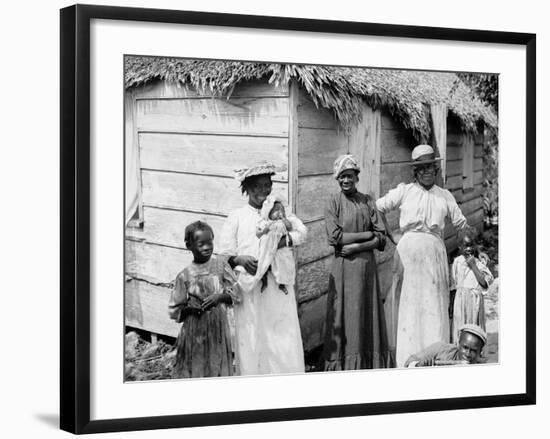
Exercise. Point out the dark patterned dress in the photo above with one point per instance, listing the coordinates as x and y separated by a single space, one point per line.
356 336
204 342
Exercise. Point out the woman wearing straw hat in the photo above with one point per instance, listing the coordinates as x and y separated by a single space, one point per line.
355 336
267 330
420 290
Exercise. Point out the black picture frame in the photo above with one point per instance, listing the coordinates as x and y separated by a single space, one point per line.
75 217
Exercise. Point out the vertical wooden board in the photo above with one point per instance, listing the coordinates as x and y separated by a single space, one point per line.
293 145
312 316
146 307
318 148
196 192
316 245
258 116
468 162
155 263
364 144
211 154
313 279
171 90
478 151
167 227
313 193
309 116
439 128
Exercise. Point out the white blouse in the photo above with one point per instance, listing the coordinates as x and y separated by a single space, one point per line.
422 209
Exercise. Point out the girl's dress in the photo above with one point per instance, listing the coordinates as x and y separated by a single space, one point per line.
355 334
267 330
204 341
419 297
469 305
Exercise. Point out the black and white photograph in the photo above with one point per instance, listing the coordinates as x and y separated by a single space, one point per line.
296 218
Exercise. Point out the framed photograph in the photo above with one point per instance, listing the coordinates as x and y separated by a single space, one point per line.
274 218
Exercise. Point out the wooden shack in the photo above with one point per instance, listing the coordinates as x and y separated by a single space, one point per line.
190 124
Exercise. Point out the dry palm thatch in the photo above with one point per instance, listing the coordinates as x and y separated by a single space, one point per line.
405 94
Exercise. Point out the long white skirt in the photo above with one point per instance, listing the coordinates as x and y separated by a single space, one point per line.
267 331
422 317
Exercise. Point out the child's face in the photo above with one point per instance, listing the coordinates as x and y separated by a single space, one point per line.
467 247
277 212
202 246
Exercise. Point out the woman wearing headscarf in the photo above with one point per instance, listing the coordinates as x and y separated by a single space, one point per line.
355 336
267 330
420 289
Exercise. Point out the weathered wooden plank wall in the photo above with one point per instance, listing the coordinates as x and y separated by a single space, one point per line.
190 143
320 141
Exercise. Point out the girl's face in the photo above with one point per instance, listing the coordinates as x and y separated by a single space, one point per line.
202 245
277 212
467 247
348 180
258 190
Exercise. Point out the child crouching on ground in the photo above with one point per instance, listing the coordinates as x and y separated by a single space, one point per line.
471 278
198 301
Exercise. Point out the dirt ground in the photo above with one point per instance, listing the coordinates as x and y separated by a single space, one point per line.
146 360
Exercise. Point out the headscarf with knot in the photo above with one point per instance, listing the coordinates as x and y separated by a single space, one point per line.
345 162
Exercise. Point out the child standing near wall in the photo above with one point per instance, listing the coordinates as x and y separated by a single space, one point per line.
471 278
198 301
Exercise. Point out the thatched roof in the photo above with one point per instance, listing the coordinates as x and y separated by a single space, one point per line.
403 93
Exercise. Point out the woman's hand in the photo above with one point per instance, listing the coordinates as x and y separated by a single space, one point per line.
214 300
347 250
249 263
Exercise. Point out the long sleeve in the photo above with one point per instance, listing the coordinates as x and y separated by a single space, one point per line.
455 214
377 225
392 200
333 225
178 299
481 265
437 351
228 240
298 234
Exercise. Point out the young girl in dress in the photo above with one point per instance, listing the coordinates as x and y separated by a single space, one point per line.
198 301
471 278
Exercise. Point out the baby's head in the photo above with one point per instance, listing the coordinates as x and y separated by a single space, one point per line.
199 238
277 212
466 242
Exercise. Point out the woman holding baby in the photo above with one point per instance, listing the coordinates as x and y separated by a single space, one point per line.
355 333
267 331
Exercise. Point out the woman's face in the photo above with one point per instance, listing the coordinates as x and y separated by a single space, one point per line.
348 180
425 174
258 190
